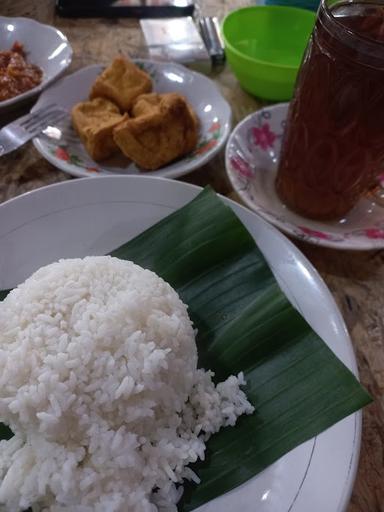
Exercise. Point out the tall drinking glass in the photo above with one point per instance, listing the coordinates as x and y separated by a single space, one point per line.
333 148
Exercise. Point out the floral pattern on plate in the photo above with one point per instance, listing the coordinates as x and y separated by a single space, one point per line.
252 154
68 153
61 152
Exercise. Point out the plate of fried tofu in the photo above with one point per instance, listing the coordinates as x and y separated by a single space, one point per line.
134 117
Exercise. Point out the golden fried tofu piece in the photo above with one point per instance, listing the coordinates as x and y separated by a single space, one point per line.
146 104
94 122
149 103
122 82
164 128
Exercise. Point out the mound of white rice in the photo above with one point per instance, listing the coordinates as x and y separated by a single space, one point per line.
98 381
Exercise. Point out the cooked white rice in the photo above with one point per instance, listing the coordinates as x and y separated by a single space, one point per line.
98 381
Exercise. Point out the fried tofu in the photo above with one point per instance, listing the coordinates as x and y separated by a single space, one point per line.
146 104
122 82
164 127
94 121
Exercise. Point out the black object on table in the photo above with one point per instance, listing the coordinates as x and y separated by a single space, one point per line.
125 8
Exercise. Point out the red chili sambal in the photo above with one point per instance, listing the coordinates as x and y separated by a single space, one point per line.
16 74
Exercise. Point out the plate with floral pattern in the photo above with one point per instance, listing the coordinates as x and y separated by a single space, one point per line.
61 146
251 159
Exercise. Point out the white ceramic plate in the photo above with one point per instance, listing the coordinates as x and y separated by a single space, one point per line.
69 154
90 217
44 45
251 158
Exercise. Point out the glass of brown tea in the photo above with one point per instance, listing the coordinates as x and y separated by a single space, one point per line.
333 147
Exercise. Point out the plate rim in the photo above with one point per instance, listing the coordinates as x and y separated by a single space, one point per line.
349 479
45 83
363 244
187 167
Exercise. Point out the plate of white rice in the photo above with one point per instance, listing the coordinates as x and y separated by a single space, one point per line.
111 409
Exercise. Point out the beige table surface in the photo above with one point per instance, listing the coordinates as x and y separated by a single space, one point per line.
356 279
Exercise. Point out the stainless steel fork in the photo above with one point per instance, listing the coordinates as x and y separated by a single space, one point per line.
17 133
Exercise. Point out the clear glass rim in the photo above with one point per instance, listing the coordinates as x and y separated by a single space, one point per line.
345 32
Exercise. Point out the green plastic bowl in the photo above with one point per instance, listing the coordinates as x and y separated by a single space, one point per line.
264 46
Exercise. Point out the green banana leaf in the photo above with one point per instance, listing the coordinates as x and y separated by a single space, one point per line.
3 294
245 323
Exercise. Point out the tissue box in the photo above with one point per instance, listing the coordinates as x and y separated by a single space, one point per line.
177 40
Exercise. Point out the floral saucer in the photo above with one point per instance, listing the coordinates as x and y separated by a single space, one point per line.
251 159
62 147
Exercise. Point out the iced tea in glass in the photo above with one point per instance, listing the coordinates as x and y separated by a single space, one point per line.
333 148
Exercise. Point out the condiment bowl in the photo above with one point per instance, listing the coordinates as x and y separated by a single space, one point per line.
264 47
44 46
